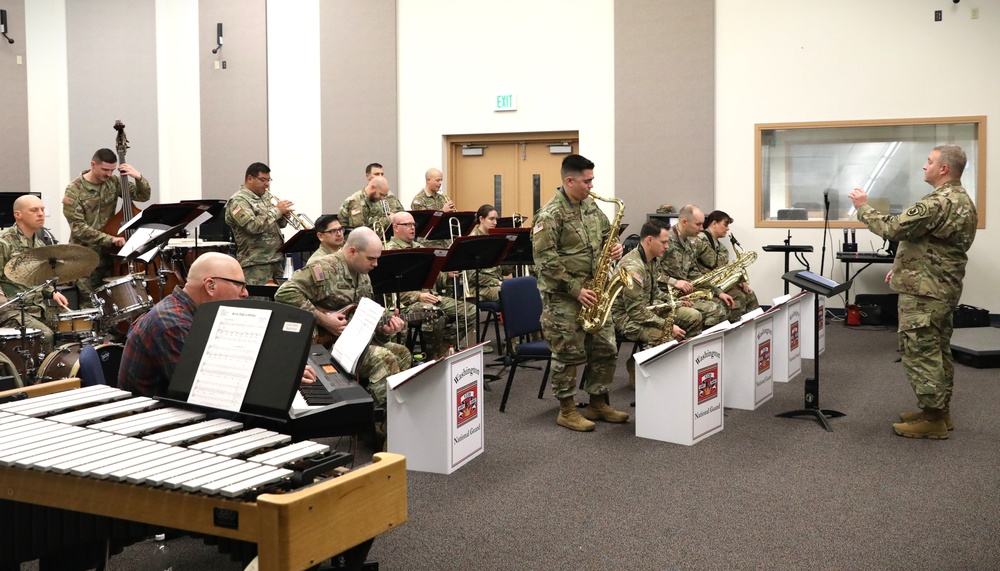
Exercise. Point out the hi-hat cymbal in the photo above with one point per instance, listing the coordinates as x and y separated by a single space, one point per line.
36 266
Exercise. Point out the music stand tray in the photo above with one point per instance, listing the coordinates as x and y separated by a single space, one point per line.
441 227
820 286
301 241
477 253
411 269
520 252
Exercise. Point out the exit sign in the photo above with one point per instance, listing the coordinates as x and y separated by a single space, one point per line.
505 102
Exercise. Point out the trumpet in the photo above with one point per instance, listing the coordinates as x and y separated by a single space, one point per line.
297 221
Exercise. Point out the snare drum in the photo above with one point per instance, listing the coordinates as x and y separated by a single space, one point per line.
121 299
24 353
182 252
77 325
64 362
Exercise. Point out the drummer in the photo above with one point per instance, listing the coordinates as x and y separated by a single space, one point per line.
25 234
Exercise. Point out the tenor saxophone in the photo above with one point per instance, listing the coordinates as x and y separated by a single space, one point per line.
608 281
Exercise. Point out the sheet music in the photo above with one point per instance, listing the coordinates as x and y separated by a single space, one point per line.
205 216
357 335
230 355
140 237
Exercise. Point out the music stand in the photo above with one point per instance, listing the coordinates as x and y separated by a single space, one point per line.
301 241
441 228
476 253
509 221
424 220
817 285
411 269
215 228
787 249
520 253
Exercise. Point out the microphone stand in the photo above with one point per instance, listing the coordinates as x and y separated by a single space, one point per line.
826 229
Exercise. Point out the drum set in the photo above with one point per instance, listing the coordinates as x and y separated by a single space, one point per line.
118 300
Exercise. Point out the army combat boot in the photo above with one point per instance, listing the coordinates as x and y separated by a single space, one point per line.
570 418
946 411
930 425
599 409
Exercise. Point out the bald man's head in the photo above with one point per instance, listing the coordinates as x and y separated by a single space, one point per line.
403 227
433 180
29 213
215 276
362 250
377 188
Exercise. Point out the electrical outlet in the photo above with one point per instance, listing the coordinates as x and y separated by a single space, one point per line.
975 13
937 15
216 64
223 64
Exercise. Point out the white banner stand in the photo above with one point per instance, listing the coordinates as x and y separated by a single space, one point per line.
679 390
809 321
788 337
434 412
748 361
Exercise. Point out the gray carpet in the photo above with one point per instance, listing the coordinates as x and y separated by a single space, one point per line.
765 493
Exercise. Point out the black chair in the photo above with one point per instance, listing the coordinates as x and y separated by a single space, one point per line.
525 320
492 310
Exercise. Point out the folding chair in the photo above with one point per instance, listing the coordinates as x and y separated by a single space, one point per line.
522 318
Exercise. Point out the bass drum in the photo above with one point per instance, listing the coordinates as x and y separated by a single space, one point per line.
64 363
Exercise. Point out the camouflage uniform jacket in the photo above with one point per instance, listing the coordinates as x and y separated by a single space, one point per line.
710 253
679 262
566 240
322 251
326 284
632 318
13 243
88 207
934 235
357 210
407 298
256 225
423 202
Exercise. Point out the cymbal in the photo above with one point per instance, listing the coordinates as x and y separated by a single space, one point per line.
36 266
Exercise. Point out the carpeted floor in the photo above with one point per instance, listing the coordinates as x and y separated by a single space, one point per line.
765 493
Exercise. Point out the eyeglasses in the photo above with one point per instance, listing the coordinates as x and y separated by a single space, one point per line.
243 285
407 224
263 180
333 231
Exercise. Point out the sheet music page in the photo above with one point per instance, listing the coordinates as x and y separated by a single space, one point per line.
230 355
357 335
203 217
139 237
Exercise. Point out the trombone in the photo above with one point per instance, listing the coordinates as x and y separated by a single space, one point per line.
297 221
454 231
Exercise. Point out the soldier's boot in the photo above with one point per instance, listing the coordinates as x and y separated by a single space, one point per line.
599 409
910 416
570 418
930 425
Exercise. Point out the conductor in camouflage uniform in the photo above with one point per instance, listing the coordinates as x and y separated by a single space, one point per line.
934 237
256 224
91 200
632 316
679 266
25 235
712 254
444 331
335 281
568 236
367 207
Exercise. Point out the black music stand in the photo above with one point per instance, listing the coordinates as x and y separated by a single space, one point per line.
477 253
520 253
510 221
164 216
411 269
273 381
215 228
441 224
301 242
818 285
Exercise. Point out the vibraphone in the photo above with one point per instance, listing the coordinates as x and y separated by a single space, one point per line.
102 451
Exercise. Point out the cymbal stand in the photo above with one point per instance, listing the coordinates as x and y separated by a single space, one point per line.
21 300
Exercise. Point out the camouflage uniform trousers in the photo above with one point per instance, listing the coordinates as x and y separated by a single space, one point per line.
925 328
744 302
381 361
571 346
441 332
259 275
686 318
713 311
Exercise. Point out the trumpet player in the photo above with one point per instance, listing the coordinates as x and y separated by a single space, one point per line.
634 320
711 253
256 219
679 266
368 206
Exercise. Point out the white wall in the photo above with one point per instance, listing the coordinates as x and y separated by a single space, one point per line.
814 60
455 56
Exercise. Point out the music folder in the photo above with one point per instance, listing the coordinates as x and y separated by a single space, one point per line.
274 371
301 241
440 227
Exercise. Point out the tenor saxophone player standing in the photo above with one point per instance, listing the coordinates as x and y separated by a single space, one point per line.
256 222
568 236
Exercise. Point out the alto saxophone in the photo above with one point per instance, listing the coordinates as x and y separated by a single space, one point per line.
608 281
